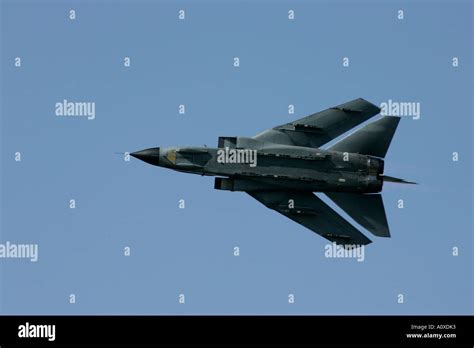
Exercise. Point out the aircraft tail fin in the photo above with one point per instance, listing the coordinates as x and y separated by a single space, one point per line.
365 209
372 139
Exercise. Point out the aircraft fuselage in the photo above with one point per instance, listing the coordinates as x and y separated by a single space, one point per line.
273 167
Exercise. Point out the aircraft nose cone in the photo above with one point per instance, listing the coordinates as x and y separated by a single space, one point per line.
151 156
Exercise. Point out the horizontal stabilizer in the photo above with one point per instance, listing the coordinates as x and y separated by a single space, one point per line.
372 139
366 209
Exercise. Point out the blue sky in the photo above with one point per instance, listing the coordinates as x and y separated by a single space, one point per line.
190 62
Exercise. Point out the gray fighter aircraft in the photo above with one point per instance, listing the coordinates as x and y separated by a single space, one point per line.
282 168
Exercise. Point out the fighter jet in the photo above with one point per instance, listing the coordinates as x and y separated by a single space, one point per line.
283 166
